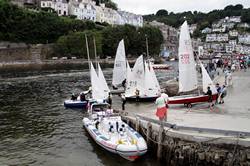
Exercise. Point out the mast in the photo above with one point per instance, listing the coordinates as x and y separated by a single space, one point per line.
95 51
87 47
147 46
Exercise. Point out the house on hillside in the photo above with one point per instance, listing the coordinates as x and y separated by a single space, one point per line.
233 33
219 29
244 38
60 6
243 25
130 18
83 10
211 37
104 14
235 19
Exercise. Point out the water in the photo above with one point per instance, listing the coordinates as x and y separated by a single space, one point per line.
35 128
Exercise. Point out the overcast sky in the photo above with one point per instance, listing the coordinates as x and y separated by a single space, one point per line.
152 6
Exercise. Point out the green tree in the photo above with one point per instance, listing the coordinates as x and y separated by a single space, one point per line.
162 12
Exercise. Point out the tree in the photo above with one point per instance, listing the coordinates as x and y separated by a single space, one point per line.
162 12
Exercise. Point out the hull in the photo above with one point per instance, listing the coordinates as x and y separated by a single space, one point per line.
75 104
127 151
142 99
161 67
188 99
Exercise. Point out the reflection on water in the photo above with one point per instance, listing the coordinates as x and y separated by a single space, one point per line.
35 129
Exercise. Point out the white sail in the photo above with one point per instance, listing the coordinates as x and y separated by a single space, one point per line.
128 71
103 82
207 81
135 79
157 85
119 71
187 71
97 90
152 87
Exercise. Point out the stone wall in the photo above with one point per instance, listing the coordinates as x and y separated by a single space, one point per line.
20 52
176 148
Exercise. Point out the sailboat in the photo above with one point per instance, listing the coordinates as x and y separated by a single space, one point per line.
142 78
188 78
119 71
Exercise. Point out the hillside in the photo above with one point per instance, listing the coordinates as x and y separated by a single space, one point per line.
201 19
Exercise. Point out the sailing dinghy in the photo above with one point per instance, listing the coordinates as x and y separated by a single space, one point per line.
188 79
111 133
143 79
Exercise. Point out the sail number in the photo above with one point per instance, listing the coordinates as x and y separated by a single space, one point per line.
185 58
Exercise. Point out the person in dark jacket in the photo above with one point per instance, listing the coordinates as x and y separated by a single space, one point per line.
210 98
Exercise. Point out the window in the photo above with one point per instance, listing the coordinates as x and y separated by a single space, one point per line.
59 12
43 4
64 13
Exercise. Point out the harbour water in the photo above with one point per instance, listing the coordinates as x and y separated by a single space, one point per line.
36 129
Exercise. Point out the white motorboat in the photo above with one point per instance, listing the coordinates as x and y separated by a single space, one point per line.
112 134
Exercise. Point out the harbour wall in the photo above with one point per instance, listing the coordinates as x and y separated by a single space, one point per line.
174 146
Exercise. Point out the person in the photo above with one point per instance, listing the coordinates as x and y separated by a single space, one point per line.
161 108
229 78
73 96
218 88
123 101
223 94
109 100
109 110
165 96
226 77
137 95
124 83
210 97
82 96
233 67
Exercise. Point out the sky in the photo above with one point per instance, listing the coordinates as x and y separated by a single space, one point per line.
152 6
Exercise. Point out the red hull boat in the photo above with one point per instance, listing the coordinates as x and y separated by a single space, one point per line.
189 99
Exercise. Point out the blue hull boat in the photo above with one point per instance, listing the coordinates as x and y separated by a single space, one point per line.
75 104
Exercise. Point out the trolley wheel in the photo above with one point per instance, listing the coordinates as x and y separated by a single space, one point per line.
189 105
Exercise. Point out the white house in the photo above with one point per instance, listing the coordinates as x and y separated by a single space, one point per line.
104 14
244 39
243 25
130 18
233 33
222 37
60 6
192 28
211 37
228 25
219 29
235 19
239 49
83 10
229 48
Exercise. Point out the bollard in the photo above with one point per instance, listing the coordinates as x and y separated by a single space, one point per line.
137 124
159 148
149 130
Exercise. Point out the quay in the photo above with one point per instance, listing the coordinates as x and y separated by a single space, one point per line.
197 135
